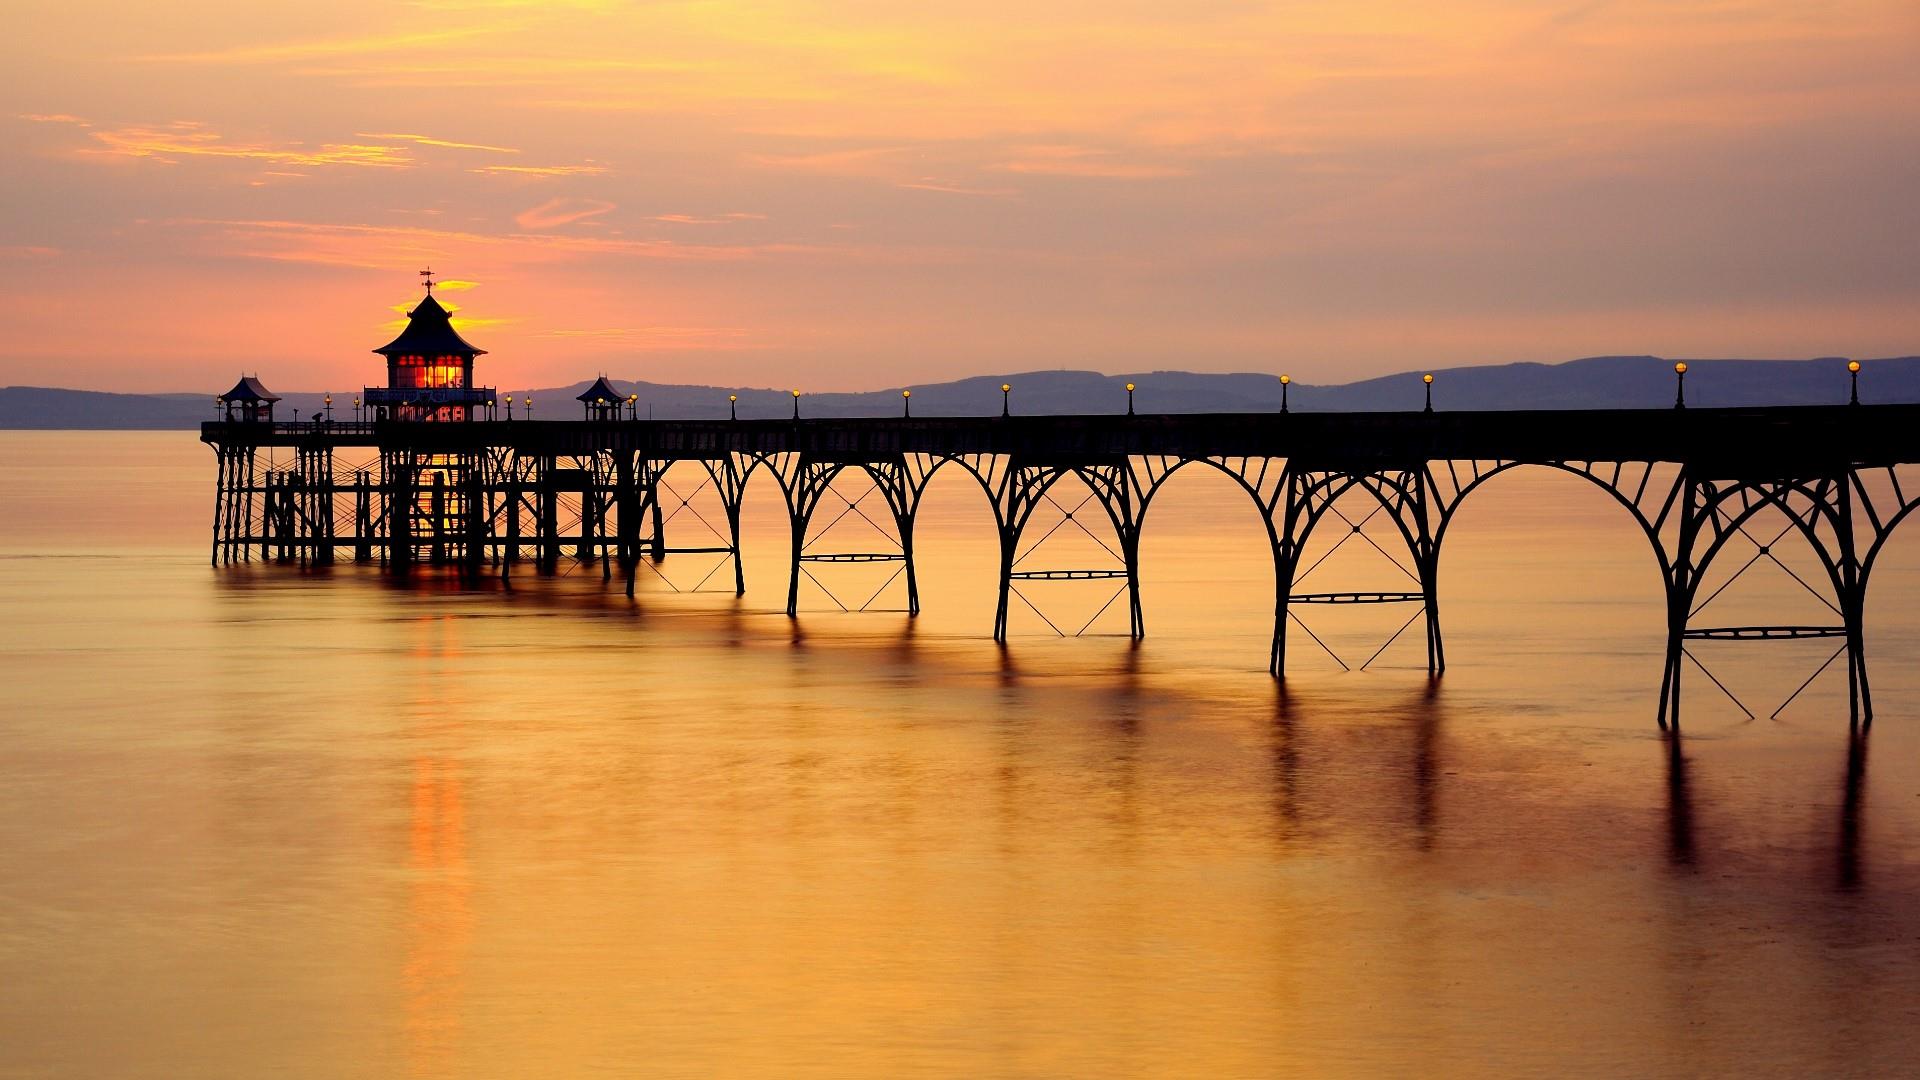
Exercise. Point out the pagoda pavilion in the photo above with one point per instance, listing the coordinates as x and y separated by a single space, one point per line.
602 401
429 369
248 401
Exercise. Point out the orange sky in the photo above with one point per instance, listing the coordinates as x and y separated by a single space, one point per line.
859 194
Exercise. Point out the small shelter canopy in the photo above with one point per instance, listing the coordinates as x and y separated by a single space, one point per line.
602 393
248 389
602 401
248 400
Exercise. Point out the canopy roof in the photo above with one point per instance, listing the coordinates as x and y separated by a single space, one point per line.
429 332
602 393
249 389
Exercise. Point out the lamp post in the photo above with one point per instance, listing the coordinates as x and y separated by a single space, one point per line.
796 404
906 404
216 406
1006 399
1428 379
1853 372
1285 381
509 406
528 402
1129 399
732 401
357 418
1680 384
329 400
633 406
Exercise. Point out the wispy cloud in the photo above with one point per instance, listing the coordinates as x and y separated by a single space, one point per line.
930 184
691 219
1058 160
562 211
541 170
428 140
27 251
391 247
275 176
188 139
169 143
284 52
1211 174
872 161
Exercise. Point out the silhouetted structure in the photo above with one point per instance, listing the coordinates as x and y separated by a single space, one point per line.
248 401
601 401
475 495
429 369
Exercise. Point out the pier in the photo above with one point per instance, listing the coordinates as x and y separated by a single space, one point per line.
494 495
432 471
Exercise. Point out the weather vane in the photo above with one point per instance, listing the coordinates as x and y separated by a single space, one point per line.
428 274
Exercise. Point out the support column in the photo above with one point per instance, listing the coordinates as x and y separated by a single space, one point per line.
1009 548
219 501
659 541
903 522
627 508
1426 556
473 521
399 484
1286 562
317 483
437 523
1853 606
604 474
269 515
732 495
1682 582
362 517
246 506
589 513
228 509
284 517
1127 525
797 518
511 495
547 527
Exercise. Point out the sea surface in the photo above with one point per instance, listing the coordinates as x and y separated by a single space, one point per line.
266 821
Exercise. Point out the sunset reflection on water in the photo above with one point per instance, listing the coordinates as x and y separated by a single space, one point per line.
312 823
440 924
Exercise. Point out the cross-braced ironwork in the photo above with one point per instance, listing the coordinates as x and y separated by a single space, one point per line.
893 484
1698 482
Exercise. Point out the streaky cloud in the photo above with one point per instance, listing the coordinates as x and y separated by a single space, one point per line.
427 140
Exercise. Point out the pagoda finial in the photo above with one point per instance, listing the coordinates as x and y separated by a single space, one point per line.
428 274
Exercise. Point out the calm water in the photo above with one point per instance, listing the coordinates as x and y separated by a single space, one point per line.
260 822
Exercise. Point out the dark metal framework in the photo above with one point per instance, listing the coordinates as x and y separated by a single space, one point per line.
488 494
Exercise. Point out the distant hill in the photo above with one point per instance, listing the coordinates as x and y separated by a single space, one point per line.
1601 382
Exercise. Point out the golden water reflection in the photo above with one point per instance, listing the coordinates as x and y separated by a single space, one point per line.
315 824
440 887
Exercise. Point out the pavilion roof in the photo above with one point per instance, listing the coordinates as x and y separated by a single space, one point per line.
602 392
429 332
249 389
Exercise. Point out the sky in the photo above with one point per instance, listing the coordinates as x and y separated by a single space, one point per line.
861 194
